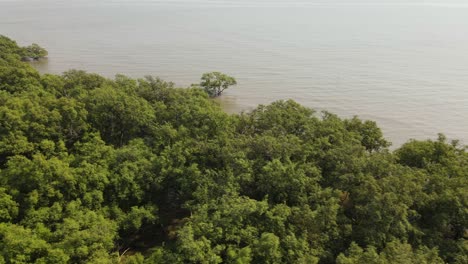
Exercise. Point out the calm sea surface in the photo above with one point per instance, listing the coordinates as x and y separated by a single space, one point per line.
403 65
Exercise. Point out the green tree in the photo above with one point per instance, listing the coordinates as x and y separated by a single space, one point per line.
394 253
34 51
119 116
215 83
22 245
371 135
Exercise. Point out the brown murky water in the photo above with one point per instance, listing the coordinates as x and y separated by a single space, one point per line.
403 65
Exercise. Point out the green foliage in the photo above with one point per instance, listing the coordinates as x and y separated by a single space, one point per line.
21 245
394 253
371 135
8 207
215 83
119 116
98 170
15 76
34 51
8 47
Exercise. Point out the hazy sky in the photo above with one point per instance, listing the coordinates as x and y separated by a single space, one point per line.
286 3
270 2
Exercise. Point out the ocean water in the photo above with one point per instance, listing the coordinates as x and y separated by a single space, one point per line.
403 64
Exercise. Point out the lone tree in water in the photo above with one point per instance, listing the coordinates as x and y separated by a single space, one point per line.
34 52
215 83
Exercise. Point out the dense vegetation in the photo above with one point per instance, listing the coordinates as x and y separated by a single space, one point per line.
94 170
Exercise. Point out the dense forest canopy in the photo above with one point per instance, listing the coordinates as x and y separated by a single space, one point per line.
98 170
